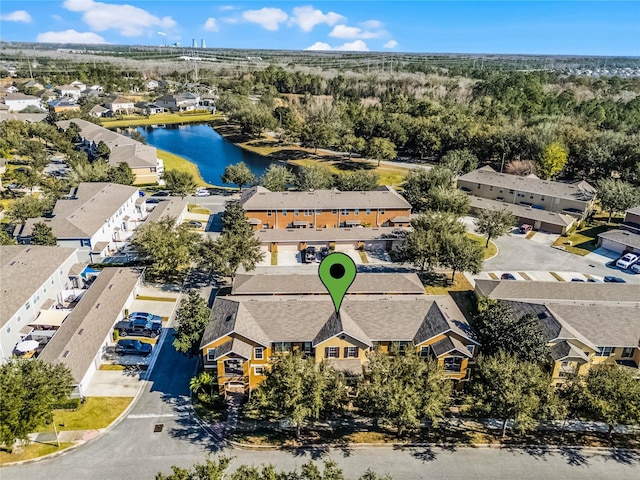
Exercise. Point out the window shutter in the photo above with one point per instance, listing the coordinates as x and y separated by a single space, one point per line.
346 352
326 352
337 352
357 349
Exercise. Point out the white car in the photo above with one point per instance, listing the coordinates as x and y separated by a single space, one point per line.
635 268
626 261
202 192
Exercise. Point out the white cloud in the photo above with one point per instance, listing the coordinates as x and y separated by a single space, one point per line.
17 16
57 18
391 44
226 8
70 36
128 20
268 18
229 19
307 17
355 46
211 25
344 31
319 46
374 24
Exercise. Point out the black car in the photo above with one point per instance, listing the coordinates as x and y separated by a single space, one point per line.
133 347
310 255
161 193
324 252
507 276
612 279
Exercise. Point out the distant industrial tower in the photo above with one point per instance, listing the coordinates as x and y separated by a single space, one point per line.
193 43
202 44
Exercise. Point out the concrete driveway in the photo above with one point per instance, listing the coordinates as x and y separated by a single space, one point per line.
115 383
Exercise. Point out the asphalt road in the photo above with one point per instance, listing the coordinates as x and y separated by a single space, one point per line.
132 450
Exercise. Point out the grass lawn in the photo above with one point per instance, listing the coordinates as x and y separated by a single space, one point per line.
583 241
440 284
490 251
156 299
161 119
97 412
197 209
174 162
33 450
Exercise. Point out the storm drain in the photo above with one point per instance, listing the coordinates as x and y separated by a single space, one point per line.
158 427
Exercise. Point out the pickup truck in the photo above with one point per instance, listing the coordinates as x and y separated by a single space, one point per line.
138 327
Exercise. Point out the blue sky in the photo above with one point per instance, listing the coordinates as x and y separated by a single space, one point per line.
534 27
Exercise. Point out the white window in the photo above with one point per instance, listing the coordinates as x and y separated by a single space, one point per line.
471 349
356 211
344 211
306 347
8 329
284 213
352 352
382 210
318 210
424 351
334 211
368 211
258 371
27 306
296 213
308 213
258 353
19 318
331 352
627 352
605 351
211 354
268 213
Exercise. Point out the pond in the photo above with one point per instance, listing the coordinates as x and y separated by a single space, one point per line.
205 147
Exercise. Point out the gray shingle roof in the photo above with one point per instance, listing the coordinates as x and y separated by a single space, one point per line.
84 215
615 326
624 237
23 270
18 96
580 191
449 344
341 324
259 198
522 211
235 345
565 292
302 318
564 349
294 284
88 325
634 210
173 207
123 148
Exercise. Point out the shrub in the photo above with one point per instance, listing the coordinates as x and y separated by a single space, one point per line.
68 404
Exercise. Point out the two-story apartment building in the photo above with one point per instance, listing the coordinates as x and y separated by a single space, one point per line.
583 323
142 159
245 331
325 209
94 218
84 336
575 199
31 278
16 102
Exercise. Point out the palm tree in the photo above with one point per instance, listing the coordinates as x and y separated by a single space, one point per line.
200 382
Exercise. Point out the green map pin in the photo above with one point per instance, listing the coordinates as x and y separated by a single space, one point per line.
337 272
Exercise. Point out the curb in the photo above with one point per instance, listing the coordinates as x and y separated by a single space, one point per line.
396 445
